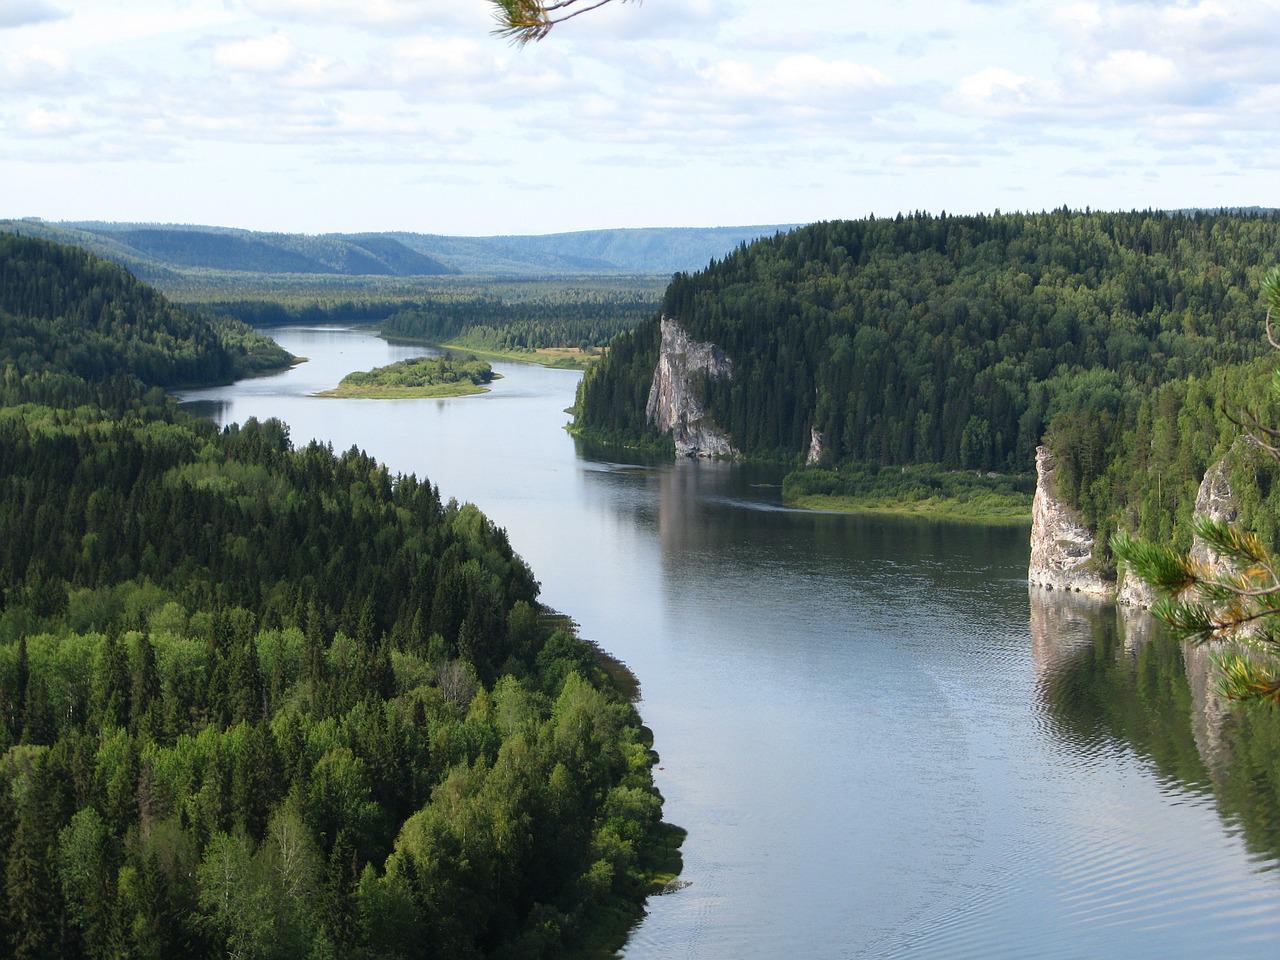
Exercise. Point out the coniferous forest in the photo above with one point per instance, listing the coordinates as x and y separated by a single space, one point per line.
261 701
948 340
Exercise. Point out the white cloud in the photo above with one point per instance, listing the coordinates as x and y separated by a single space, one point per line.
729 102
44 122
269 54
378 15
1136 73
21 13
39 69
996 91
798 79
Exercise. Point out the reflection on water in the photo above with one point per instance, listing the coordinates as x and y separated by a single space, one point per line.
1113 679
876 751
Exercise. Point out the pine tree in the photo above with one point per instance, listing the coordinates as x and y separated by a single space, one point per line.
341 915
144 689
32 903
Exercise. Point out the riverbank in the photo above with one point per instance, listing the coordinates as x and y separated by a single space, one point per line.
438 391
996 511
561 358
926 491
607 928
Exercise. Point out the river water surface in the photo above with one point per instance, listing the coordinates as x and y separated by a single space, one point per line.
881 745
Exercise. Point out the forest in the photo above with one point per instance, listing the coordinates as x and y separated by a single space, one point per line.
950 340
260 701
573 318
66 311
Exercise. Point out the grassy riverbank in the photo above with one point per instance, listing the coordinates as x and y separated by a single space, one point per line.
417 378
918 491
564 358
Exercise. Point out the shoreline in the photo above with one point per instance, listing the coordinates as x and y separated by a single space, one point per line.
954 511
548 357
439 391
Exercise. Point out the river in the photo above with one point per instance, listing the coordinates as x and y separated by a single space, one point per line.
881 745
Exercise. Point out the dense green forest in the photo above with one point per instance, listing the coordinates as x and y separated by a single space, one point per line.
1133 459
950 340
573 317
259 701
64 310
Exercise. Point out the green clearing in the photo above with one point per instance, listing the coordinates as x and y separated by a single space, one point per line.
926 491
562 358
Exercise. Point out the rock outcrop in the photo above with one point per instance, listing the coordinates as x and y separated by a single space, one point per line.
1061 545
674 404
1134 592
815 447
1217 501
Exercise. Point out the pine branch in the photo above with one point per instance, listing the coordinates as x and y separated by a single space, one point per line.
523 21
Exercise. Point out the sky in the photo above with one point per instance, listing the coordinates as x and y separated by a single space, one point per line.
344 115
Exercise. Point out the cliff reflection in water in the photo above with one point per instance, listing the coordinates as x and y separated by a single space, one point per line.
1111 678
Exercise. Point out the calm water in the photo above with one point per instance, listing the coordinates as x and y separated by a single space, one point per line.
880 744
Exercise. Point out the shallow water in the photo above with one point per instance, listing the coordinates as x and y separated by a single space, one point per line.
880 743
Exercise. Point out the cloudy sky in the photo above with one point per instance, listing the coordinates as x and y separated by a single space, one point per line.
319 115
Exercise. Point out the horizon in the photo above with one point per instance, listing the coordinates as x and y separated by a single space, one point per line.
311 116
1255 208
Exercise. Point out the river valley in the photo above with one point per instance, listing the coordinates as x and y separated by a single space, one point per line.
881 744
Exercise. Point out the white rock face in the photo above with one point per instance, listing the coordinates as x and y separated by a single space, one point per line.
815 447
1060 542
1134 592
673 401
1217 501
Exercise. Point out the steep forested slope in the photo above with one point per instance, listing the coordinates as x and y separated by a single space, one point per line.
65 310
266 702
950 340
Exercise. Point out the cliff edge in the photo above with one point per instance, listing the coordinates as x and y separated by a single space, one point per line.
1061 545
674 404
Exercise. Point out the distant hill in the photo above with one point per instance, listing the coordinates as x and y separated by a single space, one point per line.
158 252
656 250
165 252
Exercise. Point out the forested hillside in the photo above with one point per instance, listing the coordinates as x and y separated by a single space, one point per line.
1133 459
266 702
66 311
950 340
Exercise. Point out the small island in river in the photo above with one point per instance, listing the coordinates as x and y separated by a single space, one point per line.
418 377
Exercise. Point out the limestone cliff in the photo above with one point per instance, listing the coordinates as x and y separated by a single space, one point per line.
1061 544
1217 501
674 404
815 447
1133 592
